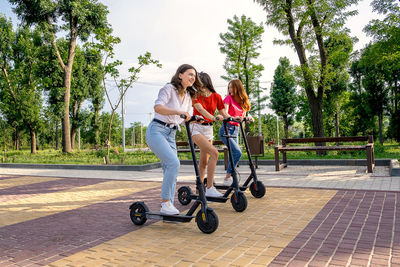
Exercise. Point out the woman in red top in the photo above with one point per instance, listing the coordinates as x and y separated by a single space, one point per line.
205 105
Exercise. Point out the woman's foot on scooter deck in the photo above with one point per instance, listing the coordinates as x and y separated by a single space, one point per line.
213 192
228 181
168 208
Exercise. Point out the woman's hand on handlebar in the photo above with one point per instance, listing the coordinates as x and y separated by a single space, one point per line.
218 118
184 115
249 119
199 119
238 118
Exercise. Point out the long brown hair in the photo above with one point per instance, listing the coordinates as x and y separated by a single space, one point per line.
176 81
206 80
238 93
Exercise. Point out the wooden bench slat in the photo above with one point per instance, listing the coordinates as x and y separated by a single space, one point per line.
325 139
316 148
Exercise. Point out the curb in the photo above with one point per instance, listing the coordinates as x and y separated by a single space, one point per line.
84 167
394 168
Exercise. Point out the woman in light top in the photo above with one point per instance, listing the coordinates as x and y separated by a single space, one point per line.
173 100
236 104
205 105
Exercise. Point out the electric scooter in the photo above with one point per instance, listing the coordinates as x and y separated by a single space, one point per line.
257 187
238 199
206 218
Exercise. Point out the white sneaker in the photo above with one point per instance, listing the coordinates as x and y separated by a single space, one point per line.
168 208
213 192
228 182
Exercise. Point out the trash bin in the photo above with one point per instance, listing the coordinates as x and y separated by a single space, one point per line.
256 146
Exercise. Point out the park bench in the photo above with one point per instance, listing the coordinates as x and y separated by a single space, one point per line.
369 147
183 146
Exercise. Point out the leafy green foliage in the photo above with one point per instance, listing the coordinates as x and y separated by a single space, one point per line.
306 24
241 44
283 93
21 99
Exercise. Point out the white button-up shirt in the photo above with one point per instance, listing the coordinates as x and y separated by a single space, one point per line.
168 96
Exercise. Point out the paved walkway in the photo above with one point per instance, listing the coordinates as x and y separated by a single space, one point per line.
310 216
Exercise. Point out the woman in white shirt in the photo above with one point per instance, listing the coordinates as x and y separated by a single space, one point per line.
173 100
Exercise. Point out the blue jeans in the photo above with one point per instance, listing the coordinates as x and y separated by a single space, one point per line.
161 140
236 152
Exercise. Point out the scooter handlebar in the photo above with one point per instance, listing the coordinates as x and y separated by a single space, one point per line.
231 119
193 118
245 119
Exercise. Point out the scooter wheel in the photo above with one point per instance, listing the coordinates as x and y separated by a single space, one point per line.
210 225
257 189
239 203
184 194
138 213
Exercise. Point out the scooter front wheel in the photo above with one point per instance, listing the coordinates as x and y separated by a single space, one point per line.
239 201
184 194
210 225
257 189
138 213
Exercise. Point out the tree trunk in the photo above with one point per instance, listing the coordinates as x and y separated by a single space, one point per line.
74 129
314 101
316 114
96 126
380 122
396 90
33 140
337 123
17 139
37 141
73 136
285 125
109 137
57 139
67 95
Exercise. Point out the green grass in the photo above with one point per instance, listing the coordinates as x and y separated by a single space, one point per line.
93 157
90 157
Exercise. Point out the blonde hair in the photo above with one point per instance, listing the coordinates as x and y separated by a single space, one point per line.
238 92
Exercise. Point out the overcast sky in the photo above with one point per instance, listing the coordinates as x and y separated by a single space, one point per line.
187 31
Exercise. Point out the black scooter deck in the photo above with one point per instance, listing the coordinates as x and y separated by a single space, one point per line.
166 217
225 187
213 199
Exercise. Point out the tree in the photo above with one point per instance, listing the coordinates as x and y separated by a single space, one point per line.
374 85
307 23
110 69
80 18
339 47
21 99
240 44
112 133
283 93
386 46
358 106
86 85
96 90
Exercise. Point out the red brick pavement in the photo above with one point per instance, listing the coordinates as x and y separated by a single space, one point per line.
356 228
